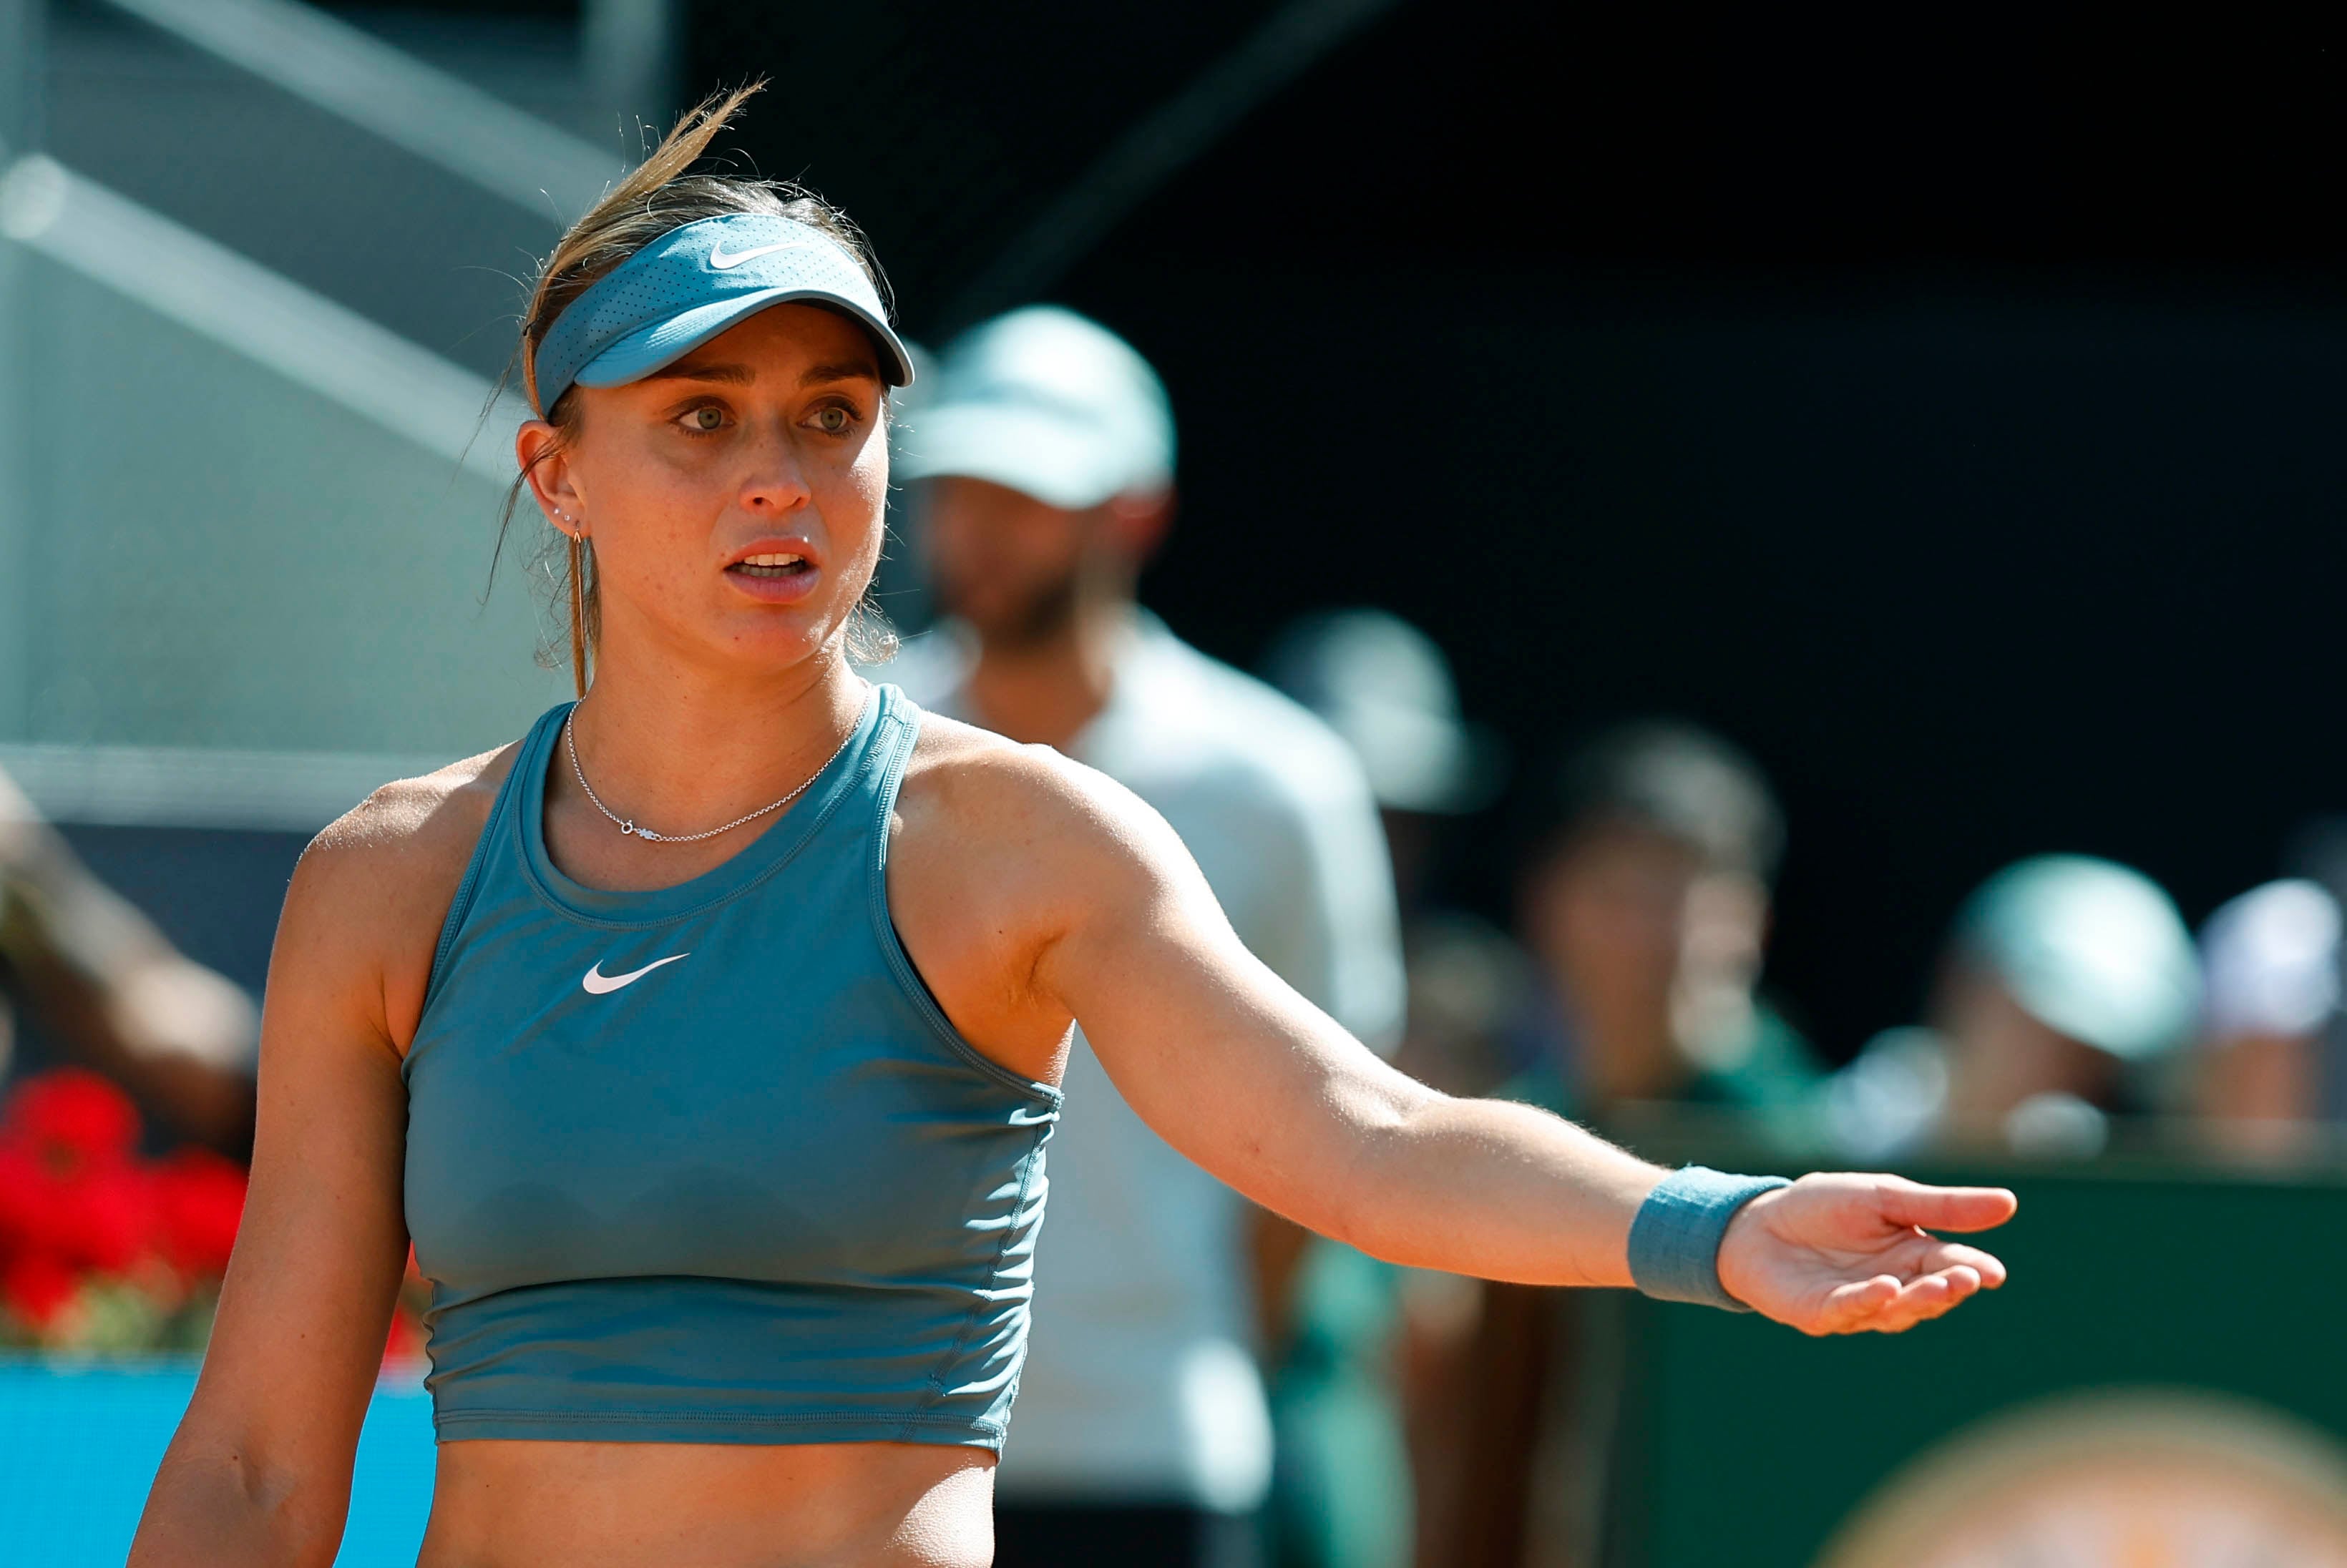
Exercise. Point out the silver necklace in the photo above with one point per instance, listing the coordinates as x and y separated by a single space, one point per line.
627 824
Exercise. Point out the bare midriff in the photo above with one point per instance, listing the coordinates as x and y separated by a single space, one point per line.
521 1504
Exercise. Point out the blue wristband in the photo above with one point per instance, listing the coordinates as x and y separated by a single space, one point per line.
1675 1237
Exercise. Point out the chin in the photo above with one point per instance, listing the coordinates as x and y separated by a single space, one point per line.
778 643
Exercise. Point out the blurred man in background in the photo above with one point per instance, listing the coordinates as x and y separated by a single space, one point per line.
114 995
1645 901
2270 965
1044 461
2066 980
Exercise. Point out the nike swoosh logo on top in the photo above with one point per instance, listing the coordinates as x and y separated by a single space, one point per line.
596 982
725 261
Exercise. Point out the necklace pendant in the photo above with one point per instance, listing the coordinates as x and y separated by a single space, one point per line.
627 826
648 834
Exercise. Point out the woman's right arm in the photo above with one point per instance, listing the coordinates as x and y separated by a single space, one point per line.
259 1472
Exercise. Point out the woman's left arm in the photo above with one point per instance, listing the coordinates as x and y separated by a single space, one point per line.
1265 1092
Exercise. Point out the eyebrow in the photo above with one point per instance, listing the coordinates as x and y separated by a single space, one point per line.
845 371
705 370
743 375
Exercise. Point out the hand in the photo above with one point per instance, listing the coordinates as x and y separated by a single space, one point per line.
1840 1254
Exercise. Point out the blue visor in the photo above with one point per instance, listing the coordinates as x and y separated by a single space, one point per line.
694 282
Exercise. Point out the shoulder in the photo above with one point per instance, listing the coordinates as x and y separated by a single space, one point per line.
998 853
410 828
371 889
1025 842
986 790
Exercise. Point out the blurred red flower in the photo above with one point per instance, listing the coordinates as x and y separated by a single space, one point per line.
198 1199
94 1216
25 1209
36 1285
109 1218
403 1346
78 1206
71 1116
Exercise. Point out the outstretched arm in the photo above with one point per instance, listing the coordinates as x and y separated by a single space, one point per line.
1265 1092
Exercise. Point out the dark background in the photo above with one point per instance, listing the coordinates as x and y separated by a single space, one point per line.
1946 406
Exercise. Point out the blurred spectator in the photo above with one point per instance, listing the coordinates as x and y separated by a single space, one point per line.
1045 461
2270 967
1351 1451
2064 975
1384 687
1645 901
2317 852
111 992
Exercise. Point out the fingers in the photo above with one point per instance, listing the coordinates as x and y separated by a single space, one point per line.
1930 1296
1883 1305
1905 1202
1917 1301
1850 1309
1987 1266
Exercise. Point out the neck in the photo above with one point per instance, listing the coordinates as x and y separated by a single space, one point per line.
1048 689
680 749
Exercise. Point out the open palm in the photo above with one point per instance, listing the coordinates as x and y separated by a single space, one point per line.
1844 1254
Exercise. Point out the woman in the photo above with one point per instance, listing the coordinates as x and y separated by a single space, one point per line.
706 1039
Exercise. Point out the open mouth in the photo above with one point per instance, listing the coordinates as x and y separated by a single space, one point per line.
777 565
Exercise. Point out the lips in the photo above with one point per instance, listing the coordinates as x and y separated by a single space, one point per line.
772 564
774 571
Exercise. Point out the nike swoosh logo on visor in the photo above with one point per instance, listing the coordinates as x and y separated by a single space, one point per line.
596 982
724 261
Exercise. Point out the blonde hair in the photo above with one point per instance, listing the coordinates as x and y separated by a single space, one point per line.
659 194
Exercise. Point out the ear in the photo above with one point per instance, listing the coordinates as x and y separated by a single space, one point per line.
546 466
1138 521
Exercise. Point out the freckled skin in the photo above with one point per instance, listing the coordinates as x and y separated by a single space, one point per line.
1029 891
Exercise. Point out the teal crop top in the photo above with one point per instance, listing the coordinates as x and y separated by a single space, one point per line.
707 1163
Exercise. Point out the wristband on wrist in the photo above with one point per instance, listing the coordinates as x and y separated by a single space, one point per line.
1675 1237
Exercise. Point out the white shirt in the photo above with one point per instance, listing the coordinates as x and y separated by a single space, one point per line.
1139 1385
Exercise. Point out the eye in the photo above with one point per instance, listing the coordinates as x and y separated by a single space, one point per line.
706 420
834 418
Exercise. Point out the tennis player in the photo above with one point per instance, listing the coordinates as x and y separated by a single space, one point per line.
705 1039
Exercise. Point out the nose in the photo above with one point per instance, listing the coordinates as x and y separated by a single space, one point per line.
775 483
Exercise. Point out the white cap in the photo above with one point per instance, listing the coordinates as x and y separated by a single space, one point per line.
2091 949
1382 684
1048 403
2271 960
